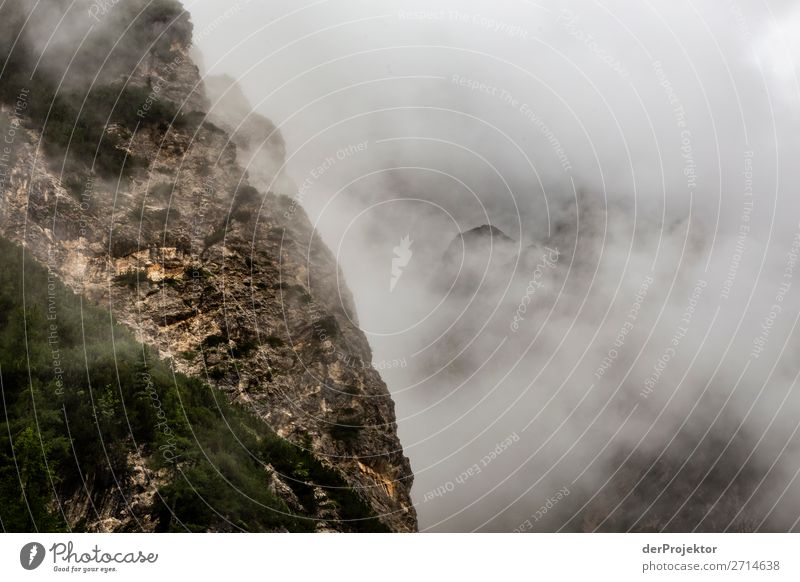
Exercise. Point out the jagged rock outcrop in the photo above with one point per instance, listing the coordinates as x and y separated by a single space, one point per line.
476 258
227 281
260 146
127 508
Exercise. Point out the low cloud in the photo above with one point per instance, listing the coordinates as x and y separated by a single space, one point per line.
652 372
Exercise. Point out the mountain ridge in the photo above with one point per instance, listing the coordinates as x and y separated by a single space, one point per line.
173 240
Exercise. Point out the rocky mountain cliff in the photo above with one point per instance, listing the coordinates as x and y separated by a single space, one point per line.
156 219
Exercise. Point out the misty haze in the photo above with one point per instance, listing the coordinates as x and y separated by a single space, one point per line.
389 266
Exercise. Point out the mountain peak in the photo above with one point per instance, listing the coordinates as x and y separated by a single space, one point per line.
485 231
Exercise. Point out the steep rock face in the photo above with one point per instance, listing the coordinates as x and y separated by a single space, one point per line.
175 76
127 508
228 282
260 146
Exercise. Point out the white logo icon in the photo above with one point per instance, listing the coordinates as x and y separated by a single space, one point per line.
402 255
31 555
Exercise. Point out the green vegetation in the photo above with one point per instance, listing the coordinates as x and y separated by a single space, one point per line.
75 123
74 186
80 396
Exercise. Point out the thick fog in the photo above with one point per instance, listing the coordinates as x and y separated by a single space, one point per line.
619 350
